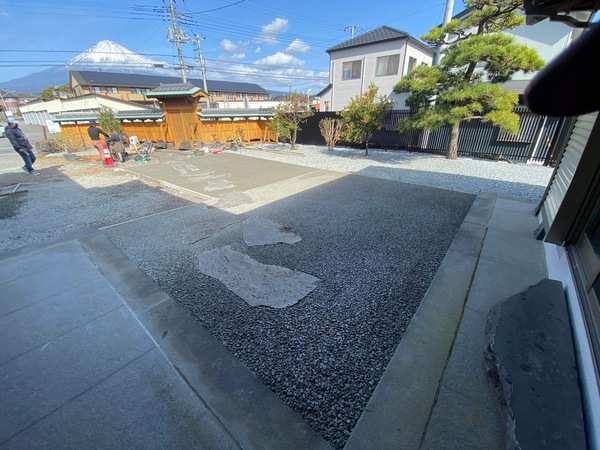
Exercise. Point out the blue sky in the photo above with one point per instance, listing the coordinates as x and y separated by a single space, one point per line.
278 44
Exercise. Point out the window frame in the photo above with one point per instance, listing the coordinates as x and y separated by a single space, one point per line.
412 64
112 90
386 66
353 72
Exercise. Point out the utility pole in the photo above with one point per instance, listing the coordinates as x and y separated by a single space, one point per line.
447 18
352 29
197 41
178 37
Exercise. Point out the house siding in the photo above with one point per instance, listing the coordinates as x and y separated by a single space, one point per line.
343 90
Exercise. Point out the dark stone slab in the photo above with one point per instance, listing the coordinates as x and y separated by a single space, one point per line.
531 366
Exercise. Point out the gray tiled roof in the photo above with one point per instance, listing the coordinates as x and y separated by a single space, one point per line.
140 114
236 112
152 81
70 116
380 34
175 87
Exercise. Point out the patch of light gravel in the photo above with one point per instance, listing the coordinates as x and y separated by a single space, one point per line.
470 175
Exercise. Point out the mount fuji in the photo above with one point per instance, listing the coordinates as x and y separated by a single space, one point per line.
105 56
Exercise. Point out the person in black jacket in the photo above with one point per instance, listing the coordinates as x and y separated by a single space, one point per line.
21 145
94 133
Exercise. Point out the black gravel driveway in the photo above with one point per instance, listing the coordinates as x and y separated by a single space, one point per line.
374 244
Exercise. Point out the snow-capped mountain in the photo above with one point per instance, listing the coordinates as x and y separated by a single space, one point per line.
105 56
110 54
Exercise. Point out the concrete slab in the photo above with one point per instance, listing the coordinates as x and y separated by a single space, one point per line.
42 380
514 222
41 322
35 262
201 174
21 292
459 423
144 405
517 205
524 251
494 282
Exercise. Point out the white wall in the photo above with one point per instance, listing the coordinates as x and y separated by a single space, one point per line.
547 38
343 90
558 269
36 113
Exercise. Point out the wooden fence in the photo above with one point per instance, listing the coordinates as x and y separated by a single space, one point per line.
205 130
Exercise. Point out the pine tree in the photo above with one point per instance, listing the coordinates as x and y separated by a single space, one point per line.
464 86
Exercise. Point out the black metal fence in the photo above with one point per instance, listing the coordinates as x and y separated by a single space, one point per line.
535 141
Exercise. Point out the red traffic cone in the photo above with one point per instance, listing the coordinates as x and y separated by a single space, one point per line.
108 161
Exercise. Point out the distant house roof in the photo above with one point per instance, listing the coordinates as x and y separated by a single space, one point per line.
381 34
72 116
152 81
175 90
324 90
236 112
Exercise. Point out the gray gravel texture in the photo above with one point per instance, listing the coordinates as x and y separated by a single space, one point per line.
526 181
375 245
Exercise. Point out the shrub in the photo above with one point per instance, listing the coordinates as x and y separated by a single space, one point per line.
60 143
331 129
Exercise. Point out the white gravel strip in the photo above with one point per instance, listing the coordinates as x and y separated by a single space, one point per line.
471 175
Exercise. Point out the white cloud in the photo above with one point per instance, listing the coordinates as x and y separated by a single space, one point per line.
298 46
280 59
269 32
228 46
258 50
238 56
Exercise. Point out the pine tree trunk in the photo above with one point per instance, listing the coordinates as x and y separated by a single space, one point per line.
367 145
452 152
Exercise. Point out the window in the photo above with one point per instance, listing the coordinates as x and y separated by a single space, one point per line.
412 64
215 93
239 94
351 70
111 89
255 96
266 97
95 89
136 91
387 65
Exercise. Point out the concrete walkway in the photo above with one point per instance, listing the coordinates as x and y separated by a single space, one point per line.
94 354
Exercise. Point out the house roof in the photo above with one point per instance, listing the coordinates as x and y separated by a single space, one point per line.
324 90
236 112
152 81
175 90
381 34
71 116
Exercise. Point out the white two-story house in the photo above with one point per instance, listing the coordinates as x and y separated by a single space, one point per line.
382 56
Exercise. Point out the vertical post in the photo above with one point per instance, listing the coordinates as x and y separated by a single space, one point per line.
177 41
447 17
